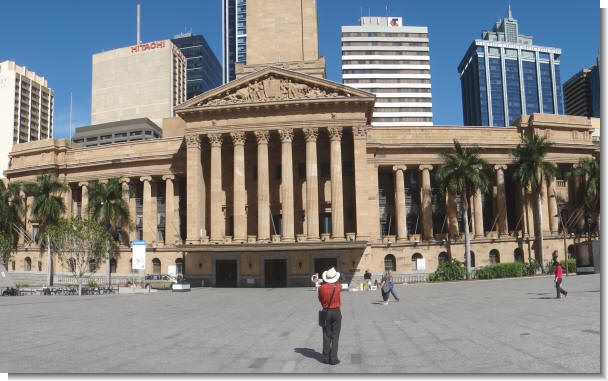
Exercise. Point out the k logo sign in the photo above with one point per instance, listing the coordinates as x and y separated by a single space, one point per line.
395 22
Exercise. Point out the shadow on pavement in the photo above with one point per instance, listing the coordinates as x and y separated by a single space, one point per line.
308 352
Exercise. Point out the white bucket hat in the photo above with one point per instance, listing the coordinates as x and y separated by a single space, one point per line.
331 275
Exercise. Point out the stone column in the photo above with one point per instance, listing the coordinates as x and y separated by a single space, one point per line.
67 200
171 217
239 194
262 138
84 199
195 190
149 217
553 210
287 201
337 198
425 202
501 201
217 216
128 232
362 192
400 213
544 204
312 185
478 214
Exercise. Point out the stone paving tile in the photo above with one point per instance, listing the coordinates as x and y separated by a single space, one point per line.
500 326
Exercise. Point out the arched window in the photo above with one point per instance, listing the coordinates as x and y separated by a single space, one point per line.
156 266
179 266
390 263
72 265
92 266
518 255
443 257
13 265
112 265
28 264
415 258
39 266
494 256
472 259
571 252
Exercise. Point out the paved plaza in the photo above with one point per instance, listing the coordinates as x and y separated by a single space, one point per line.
497 326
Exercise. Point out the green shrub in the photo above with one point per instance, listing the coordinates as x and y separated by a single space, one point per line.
92 283
451 270
571 266
432 277
531 267
500 270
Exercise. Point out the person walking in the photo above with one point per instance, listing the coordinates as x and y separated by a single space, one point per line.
558 281
368 279
329 296
386 286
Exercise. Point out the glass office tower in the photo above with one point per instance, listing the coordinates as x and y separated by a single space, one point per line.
204 71
234 36
503 75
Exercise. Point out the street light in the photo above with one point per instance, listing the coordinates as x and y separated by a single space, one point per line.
589 220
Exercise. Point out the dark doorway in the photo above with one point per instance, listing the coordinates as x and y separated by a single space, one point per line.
275 273
225 273
323 264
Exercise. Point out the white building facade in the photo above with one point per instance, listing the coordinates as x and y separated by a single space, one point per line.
392 61
26 108
146 80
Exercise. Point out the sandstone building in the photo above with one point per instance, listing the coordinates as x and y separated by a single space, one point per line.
280 174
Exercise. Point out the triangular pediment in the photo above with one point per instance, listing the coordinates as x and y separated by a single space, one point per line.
272 84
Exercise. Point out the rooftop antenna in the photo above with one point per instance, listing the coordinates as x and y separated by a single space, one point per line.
70 116
386 10
138 18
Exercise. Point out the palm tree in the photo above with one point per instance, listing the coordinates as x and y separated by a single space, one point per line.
12 210
47 207
107 206
463 172
530 170
589 193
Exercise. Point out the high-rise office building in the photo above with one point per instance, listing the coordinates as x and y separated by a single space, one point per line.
204 71
392 61
298 20
146 80
582 93
234 36
26 108
503 75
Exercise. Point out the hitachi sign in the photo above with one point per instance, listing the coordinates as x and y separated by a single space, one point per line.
147 46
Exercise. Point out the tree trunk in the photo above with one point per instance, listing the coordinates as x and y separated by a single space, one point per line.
467 236
540 237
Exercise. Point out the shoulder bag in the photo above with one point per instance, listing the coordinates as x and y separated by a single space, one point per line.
323 312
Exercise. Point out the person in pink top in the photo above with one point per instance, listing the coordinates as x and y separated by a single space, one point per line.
558 280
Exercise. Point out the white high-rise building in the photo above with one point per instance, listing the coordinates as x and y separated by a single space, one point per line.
146 80
392 61
26 105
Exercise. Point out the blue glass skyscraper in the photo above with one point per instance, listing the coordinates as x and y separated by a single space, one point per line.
503 75
234 36
204 71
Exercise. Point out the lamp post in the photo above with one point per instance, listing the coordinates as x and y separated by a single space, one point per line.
589 220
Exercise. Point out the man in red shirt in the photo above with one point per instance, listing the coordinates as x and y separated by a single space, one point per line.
329 296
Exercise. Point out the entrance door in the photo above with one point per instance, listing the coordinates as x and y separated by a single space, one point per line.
323 264
225 273
275 273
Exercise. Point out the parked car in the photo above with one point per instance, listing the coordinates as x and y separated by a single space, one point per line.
159 281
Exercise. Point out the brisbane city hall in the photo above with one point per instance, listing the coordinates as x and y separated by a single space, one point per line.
280 174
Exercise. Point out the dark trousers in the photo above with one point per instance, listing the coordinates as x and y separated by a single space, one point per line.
558 288
331 334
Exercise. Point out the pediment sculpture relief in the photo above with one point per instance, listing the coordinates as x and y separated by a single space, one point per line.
272 88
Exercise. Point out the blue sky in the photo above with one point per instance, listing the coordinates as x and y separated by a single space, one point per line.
57 39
